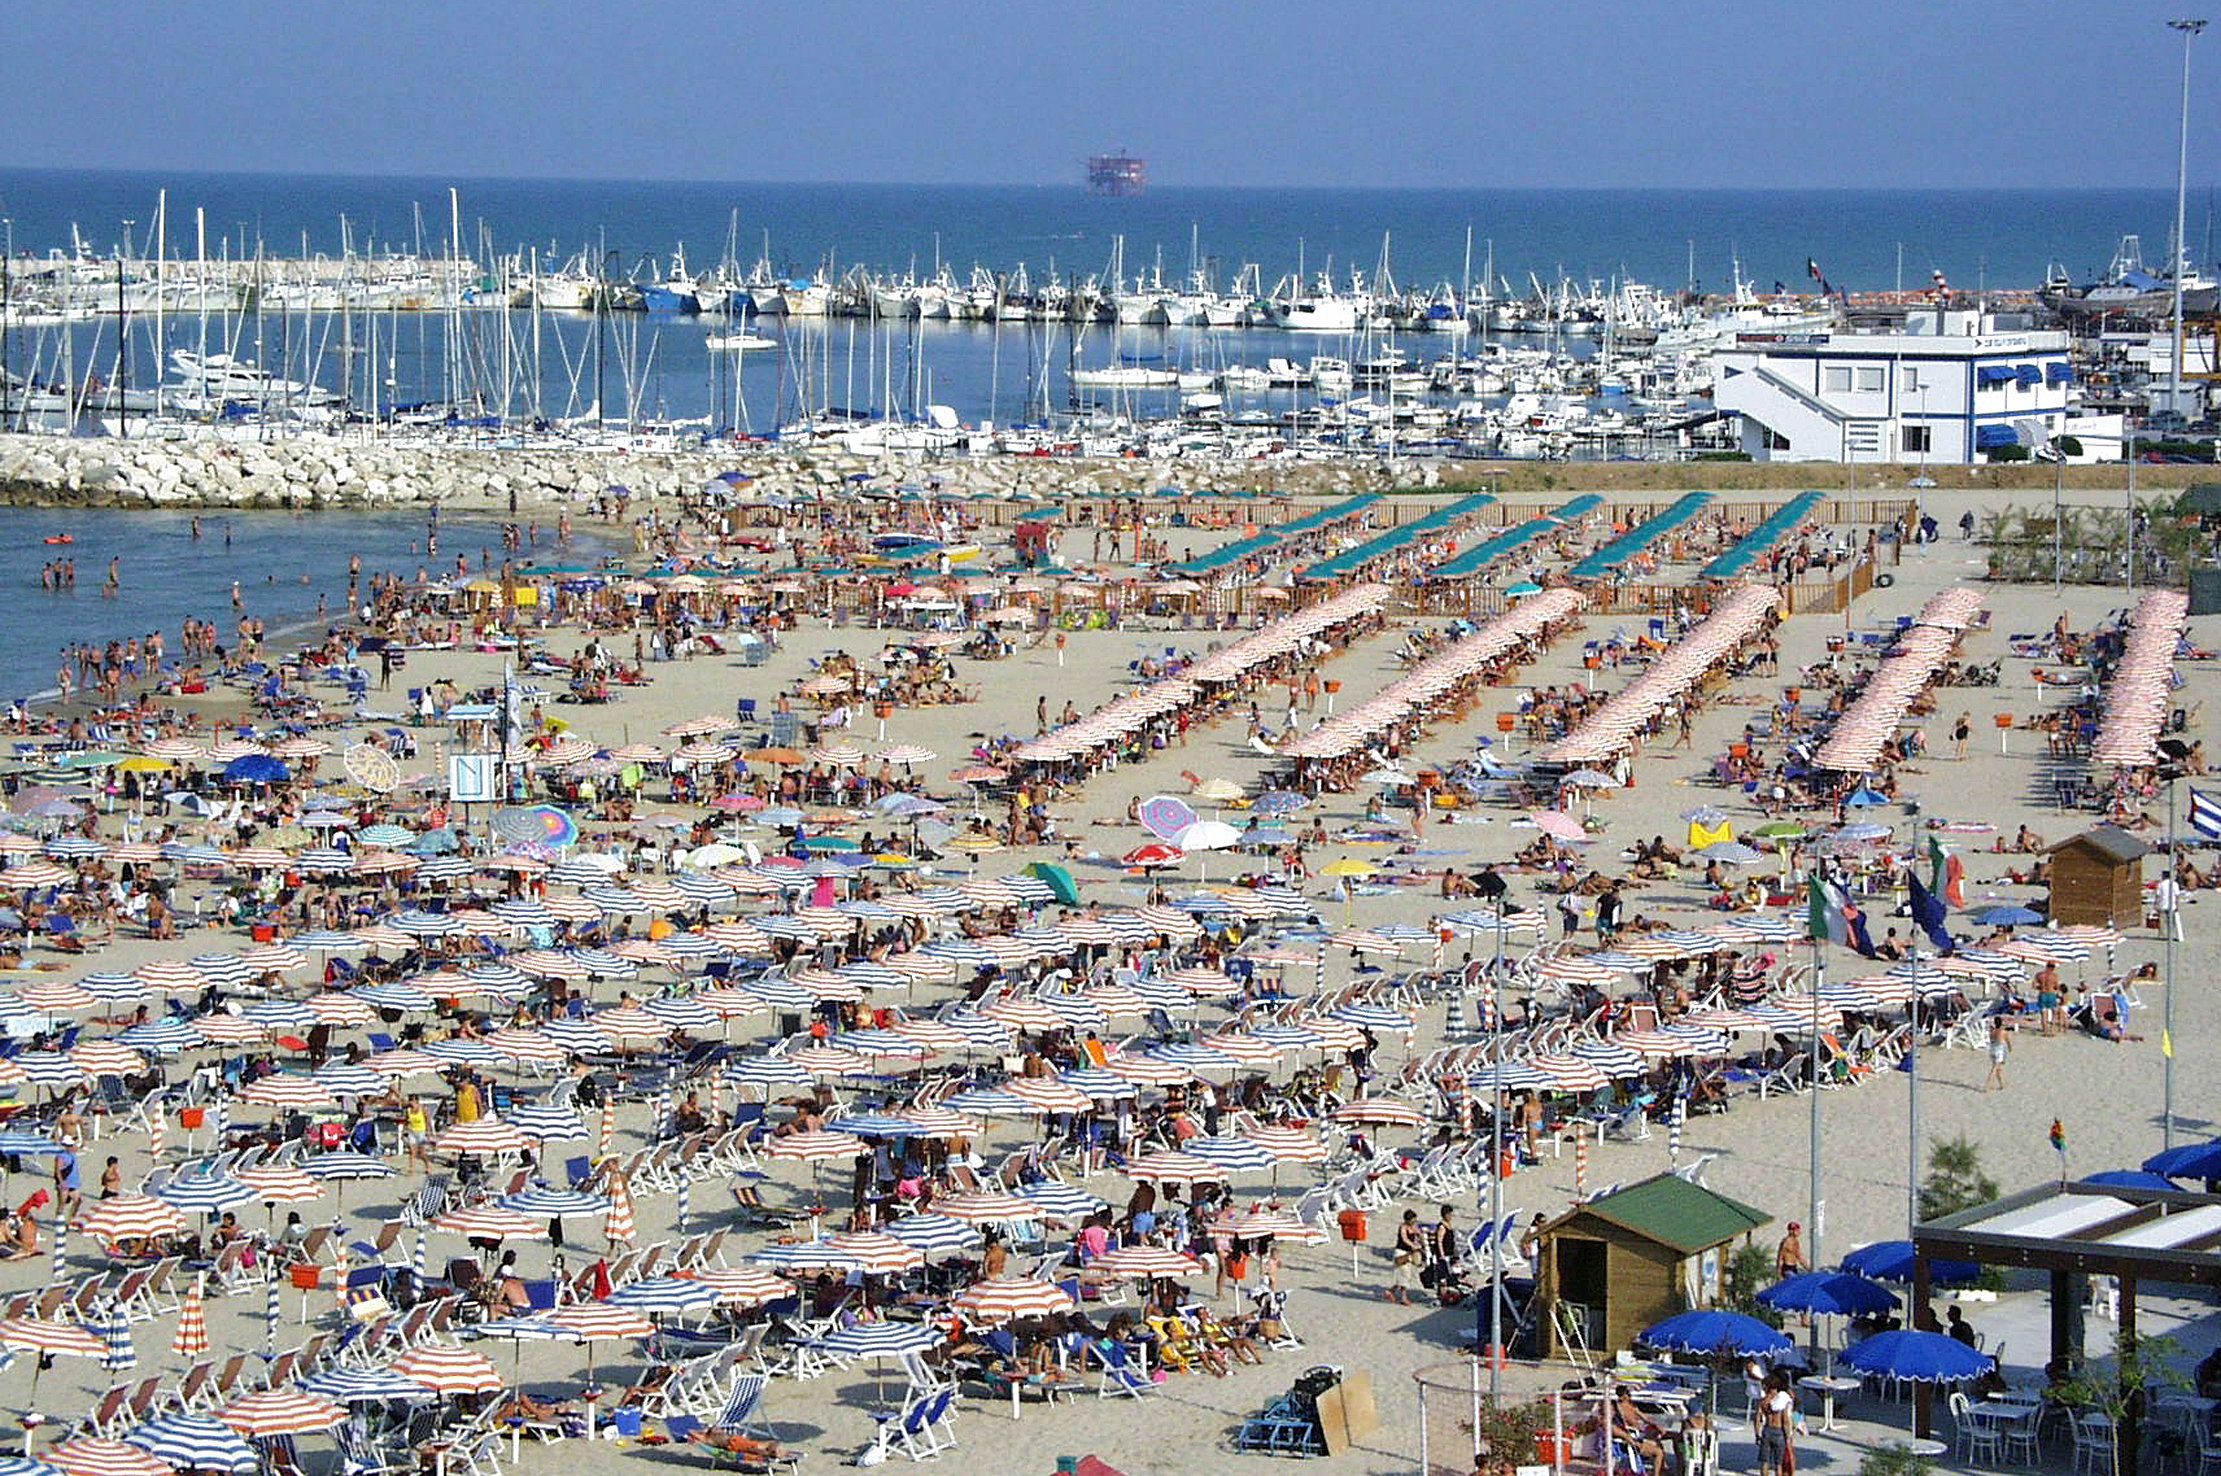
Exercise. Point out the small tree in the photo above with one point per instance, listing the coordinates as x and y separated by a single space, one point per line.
2118 1391
1506 1432
1893 1460
1955 1179
1748 1270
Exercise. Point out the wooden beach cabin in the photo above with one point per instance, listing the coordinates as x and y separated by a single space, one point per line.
2097 878
1607 1269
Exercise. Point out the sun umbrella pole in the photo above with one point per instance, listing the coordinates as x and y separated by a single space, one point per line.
1813 1204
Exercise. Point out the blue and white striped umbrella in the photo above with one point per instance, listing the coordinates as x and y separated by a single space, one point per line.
868 911
767 1071
872 975
222 968
1510 1076
281 1014
203 1193
978 1029
780 993
1478 920
75 848
1612 1060
325 940
1768 929
193 1443
547 1122
525 913
958 950
518 1330
554 1204
672 1294
163 1037
575 1035
614 899
1231 1153
423 924
365 1386
1689 942
388 837
201 855
469 1052
1060 1201
988 1102
49 1068
112 986
883 1044
108 1324
1098 1083
1194 1057
1029 889
443 869
707 890
935 1234
1164 995
500 981
691 945
1074 1010
19 1141
393 997
1292 1037
1374 1017
345 1079
578 873
1707 1042
600 963
946 899
345 1165
324 860
683 1014
779 925
875 1125
881 1340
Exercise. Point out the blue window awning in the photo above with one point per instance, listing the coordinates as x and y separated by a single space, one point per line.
1991 437
2030 375
2060 373
1989 374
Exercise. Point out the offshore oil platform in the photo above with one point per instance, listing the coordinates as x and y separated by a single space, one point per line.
1117 174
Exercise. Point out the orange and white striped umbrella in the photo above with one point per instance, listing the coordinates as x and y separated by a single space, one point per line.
608 1135
742 1286
490 1222
1380 1110
881 1255
130 1217
591 1320
1146 1260
1174 1168
811 1147
191 1338
447 1369
37 1335
286 1090
271 1412
987 1303
487 1135
1288 1144
619 1227
280 1184
987 1209
90 1455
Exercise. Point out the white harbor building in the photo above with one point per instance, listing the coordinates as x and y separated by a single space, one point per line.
1945 392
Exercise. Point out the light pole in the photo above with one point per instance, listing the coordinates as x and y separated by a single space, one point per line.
2190 30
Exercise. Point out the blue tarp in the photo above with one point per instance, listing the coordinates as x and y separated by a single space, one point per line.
1636 539
1395 539
1760 541
1488 551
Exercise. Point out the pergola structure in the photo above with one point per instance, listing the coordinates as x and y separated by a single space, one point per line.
2074 1231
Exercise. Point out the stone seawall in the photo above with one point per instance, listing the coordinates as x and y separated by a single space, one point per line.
45 471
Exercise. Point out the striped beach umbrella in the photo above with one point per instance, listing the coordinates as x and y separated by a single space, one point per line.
1261 1223
489 1222
606 1136
343 1165
619 1228
91 1455
190 1340
879 1254
1054 1200
934 1234
547 1123
130 1217
364 1386
990 1303
814 1147
881 1340
1146 1260
268 1413
486 1135
287 1092
674 1295
743 1286
203 1193
1382 1111
447 1369
1176 1168
193 1443
1288 1144
107 1322
987 1208
1230 1154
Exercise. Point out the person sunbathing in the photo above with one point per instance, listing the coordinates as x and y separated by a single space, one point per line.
754 1454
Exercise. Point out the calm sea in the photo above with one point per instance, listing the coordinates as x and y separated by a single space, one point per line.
291 567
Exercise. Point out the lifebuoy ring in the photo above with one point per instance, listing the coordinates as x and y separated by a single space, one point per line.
1884 581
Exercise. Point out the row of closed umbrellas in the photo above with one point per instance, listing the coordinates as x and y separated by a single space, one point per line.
1607 731
2136 698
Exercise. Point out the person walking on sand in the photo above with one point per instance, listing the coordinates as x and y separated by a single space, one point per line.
2001 1046
1410 1255
1789 1256
1961 730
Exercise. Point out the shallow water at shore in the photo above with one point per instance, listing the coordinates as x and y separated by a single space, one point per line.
290 567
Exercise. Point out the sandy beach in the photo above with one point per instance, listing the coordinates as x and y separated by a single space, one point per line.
2106 1096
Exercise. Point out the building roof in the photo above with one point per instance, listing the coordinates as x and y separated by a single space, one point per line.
2109 841
2098 1228
1673 1212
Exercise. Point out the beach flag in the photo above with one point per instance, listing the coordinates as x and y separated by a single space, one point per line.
1928 912
1946 874
2205 813
191 1338
619 1228
1830 917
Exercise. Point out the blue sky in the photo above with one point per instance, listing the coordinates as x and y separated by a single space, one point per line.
1299 92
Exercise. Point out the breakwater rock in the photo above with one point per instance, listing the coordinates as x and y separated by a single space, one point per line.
47 471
